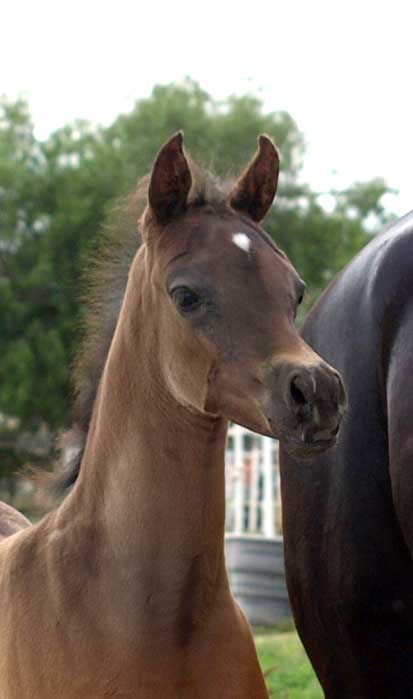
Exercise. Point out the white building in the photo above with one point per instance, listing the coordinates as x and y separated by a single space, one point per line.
253 484
254 545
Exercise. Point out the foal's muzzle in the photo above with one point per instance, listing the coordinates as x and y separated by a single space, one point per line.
312 406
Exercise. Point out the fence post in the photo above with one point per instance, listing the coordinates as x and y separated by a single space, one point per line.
239 495
268 505
254 503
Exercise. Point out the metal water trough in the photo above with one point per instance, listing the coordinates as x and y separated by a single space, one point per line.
256 572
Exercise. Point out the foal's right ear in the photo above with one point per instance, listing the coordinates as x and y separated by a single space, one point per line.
170 181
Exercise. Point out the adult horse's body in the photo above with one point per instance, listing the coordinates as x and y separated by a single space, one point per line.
348 515
122 591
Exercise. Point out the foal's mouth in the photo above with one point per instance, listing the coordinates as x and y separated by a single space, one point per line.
307 450
304 448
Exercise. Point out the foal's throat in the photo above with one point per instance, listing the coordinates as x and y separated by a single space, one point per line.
153 480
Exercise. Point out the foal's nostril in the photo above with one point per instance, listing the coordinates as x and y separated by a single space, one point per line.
296 393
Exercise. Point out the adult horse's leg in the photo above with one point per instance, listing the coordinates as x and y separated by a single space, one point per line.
350 579
348 530
11 521
399 391
313 576
384 638
399 394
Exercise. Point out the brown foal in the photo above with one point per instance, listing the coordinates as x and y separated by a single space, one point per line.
122 591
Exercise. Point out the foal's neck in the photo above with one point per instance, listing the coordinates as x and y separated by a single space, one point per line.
152 481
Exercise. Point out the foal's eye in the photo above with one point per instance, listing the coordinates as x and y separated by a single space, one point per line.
186 299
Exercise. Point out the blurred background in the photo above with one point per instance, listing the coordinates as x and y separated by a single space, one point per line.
91 91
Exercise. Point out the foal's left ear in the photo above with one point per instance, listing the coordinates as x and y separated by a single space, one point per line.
170 181
254 192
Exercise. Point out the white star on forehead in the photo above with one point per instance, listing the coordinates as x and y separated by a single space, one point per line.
242 241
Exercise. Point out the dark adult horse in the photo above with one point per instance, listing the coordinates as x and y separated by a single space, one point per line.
348 514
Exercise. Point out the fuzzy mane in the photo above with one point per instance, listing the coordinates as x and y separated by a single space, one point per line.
106 282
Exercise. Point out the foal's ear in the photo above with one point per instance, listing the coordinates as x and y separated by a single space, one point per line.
254 192
170 181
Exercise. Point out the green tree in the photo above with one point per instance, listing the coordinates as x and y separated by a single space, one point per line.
55 196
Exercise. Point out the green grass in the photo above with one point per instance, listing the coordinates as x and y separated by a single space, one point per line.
287 669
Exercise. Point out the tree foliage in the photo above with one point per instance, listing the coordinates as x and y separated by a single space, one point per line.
55 195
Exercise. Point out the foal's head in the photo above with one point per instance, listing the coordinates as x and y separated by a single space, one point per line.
219 302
